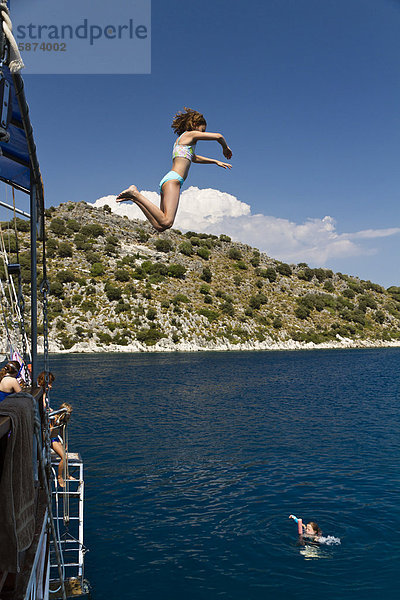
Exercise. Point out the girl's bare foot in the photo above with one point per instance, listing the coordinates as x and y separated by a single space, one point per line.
129 194
61 481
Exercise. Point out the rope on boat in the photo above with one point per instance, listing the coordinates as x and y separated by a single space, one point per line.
16 63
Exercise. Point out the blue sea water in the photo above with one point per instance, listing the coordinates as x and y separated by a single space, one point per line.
193 463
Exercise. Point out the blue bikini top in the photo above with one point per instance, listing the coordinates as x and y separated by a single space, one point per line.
4 395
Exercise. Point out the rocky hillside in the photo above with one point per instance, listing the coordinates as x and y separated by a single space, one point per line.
116 285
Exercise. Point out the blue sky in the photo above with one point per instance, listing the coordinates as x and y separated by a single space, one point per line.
307 93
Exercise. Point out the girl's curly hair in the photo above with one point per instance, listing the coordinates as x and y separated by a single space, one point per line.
187 120
41 380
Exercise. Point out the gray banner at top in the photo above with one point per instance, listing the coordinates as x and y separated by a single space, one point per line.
83 36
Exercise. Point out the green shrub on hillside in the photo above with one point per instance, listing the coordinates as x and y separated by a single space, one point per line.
142 235
341 302
328 286
110 249
305 274
394 291
65 250
179 298
257 301
113 240
206 275
208 243
97 269
241 265
163 245
204 253
255 259
270 274
122 275
129 260
55 307
302 312
228 309
379 317
284 269
211 315
112 292
56 289
348 293
186 248
355 286
94 230
66 341
151 314
92 257
122 307
204 289
51 247
313 301
322 274
57 226
234 254
73 225
149 336
374 287
177 271
22 225
104 338
89 305
366 301
194 240
65 276
81 242
224 238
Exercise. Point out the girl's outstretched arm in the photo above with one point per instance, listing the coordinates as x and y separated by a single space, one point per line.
203 160
190 137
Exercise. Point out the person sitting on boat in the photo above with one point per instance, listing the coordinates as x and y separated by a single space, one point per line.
8 379
311 530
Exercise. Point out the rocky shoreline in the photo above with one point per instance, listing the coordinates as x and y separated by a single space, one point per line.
166 345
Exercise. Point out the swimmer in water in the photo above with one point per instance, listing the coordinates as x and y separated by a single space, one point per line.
311 530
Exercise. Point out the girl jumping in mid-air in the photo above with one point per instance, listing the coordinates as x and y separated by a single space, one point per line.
190 126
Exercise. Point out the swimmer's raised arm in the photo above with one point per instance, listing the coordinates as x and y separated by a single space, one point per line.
299 522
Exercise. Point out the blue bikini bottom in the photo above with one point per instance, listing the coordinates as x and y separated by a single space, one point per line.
171 175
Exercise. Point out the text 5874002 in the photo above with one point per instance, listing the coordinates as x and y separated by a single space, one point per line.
42 47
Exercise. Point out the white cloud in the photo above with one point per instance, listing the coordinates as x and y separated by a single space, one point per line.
207 210
374 233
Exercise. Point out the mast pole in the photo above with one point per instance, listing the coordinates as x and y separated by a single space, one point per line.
33 212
